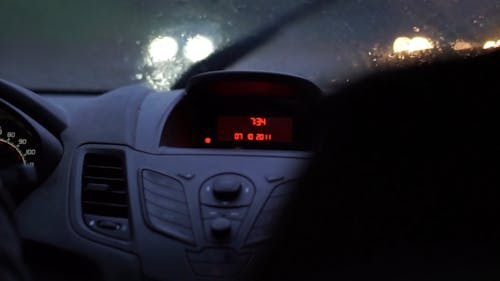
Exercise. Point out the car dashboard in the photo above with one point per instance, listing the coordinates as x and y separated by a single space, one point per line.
142 184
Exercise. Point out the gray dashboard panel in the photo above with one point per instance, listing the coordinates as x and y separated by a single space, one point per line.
130 120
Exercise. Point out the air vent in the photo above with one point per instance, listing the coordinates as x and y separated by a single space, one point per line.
104 185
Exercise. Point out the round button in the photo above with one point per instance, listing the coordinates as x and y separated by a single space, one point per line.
221 227
226 189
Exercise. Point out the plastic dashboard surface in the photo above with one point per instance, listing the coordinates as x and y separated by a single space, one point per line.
138 206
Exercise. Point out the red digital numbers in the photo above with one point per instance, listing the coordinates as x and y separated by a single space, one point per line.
252 137
254 129
258 121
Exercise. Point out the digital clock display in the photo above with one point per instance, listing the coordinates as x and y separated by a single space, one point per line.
255 129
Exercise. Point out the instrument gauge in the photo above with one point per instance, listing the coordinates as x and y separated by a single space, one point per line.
18 144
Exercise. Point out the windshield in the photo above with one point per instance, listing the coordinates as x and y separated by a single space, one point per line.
102 45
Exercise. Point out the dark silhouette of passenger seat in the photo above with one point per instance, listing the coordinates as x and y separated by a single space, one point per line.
405 184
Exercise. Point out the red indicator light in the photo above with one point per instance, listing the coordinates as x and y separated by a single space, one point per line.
207 140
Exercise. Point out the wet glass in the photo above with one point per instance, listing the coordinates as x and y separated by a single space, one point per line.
82 46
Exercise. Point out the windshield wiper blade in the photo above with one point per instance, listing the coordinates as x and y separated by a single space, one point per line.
235 51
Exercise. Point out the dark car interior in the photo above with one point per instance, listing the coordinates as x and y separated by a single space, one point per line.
302 148
137 177
396 187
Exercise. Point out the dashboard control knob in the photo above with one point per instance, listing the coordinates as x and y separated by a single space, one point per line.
226 189
220 227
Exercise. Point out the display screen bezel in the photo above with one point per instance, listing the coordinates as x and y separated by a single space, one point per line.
193 122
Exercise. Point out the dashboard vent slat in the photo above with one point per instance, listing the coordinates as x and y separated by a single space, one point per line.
104 185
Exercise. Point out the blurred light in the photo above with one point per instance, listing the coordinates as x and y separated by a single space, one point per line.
161 66
491 44
410 45
161 76
162 49
198 48
460 45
